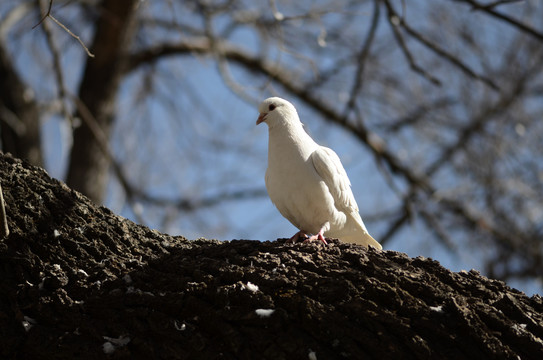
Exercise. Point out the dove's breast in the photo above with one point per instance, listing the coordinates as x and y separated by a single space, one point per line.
294 186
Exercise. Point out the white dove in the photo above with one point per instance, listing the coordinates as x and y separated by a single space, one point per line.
307 182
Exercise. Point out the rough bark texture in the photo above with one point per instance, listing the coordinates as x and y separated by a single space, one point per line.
78 281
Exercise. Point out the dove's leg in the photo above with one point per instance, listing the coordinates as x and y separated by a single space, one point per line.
318 236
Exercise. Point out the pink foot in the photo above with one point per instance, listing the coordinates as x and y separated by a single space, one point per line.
317 237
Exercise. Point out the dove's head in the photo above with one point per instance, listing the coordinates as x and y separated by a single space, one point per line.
275 111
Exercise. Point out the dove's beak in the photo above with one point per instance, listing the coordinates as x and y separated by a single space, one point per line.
261 118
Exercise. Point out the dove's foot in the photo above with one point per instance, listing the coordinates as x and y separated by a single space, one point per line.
297 236
317 237
301 234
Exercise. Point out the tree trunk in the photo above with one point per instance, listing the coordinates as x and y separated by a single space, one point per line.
79 282
19 120
89 164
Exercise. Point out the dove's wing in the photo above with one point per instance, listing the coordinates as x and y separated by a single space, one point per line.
330 169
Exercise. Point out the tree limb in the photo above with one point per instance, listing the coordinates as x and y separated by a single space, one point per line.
394 21
57 66
432 46
4 228
362 57
489 9
134 195
49 15
98 90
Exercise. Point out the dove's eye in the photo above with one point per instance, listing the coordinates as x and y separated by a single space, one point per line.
271 107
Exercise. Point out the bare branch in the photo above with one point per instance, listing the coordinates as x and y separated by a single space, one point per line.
437 228
362 57
394 21
474 127
57 67
49 15
419 113
395 226
72 34
500 2
9 118
489 9
393 16
44 16
192 204
134 194
4 228
12 17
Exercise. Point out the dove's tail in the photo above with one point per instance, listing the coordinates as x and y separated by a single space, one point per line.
362 238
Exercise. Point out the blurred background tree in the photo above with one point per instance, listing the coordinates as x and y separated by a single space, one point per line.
435 108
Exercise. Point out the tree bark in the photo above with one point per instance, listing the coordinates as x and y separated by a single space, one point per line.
79 282
89 165
19 118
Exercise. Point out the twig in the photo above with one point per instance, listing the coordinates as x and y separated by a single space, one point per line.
400 22
435 226
232 84
4 229
500 2
72 34
394 227
489 9
49 15
447 56
57 66
394 21
134 194
474 127
44 16
419 113
361 59
188 204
